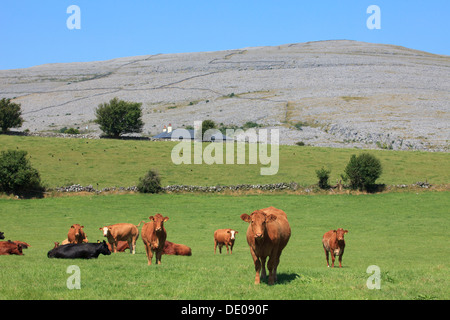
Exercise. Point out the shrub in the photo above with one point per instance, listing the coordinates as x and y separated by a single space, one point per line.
10 115
323 175
17 176
150 183
362 171
72 131
118 117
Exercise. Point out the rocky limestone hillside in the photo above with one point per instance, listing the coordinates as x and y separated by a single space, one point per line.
326 93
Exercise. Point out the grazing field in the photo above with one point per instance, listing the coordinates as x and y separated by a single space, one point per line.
404 234
108 163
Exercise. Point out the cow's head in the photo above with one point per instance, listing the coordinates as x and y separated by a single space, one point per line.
105 231
340 234
258 221
104 248
78 229
2 236
232 233
158 221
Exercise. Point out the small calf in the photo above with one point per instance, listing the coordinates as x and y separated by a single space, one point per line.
224 237
333 242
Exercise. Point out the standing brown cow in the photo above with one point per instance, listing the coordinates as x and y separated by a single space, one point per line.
122 232
154 237
224 237
333 242
76 234
267 235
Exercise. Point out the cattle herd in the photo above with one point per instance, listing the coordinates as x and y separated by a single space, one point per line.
267 235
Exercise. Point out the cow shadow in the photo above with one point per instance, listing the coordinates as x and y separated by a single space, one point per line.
282 278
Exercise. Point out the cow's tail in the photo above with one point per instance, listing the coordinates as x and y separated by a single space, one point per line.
140 223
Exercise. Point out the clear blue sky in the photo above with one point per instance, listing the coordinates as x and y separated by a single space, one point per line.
35 32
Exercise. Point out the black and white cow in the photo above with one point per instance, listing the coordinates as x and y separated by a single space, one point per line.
79 251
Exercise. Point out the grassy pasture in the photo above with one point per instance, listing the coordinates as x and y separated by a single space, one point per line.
405 234
121 163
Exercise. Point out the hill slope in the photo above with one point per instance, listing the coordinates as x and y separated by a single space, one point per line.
345 93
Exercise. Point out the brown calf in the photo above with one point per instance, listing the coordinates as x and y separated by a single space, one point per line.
224 237
154 237
267 235
333 242
171 248
8 247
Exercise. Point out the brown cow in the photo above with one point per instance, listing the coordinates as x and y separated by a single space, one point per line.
333 242
8 248
122 232
76 234
121 246
224 237
267 235
171 248
154 237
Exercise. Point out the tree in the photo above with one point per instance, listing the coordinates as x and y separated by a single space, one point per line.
363 171
323 175
17 176
150 183
118 117
10 115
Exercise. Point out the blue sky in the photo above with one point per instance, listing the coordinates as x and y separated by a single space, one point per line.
35 32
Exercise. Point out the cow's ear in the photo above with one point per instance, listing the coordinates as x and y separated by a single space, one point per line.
228 231
165 219
271 217
334 231
72 226
345 231
151 218
245 217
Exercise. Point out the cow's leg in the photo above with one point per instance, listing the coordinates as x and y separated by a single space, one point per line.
226 245
271 265
231 248
340 259
263 267
114 245
149 253
215 245
158 256
257 266
333 257
326 256
220 247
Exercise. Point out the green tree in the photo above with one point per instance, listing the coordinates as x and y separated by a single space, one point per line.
17 176
363 171
323 175
10 115
118 117
150 183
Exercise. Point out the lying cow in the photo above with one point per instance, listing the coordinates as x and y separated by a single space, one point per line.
333 242
224 237
267 235
176 249
122 232
9 247
79 251
154 237
76 234
121 246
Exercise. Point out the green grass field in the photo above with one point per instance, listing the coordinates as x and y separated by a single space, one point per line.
405 234
111 163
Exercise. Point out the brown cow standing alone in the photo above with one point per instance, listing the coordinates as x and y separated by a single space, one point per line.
154 237
224 237
267 235
333 242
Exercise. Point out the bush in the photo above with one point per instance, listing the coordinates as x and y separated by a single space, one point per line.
362 171
118 117
323 176
150 183
72 131
10 115
17 176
